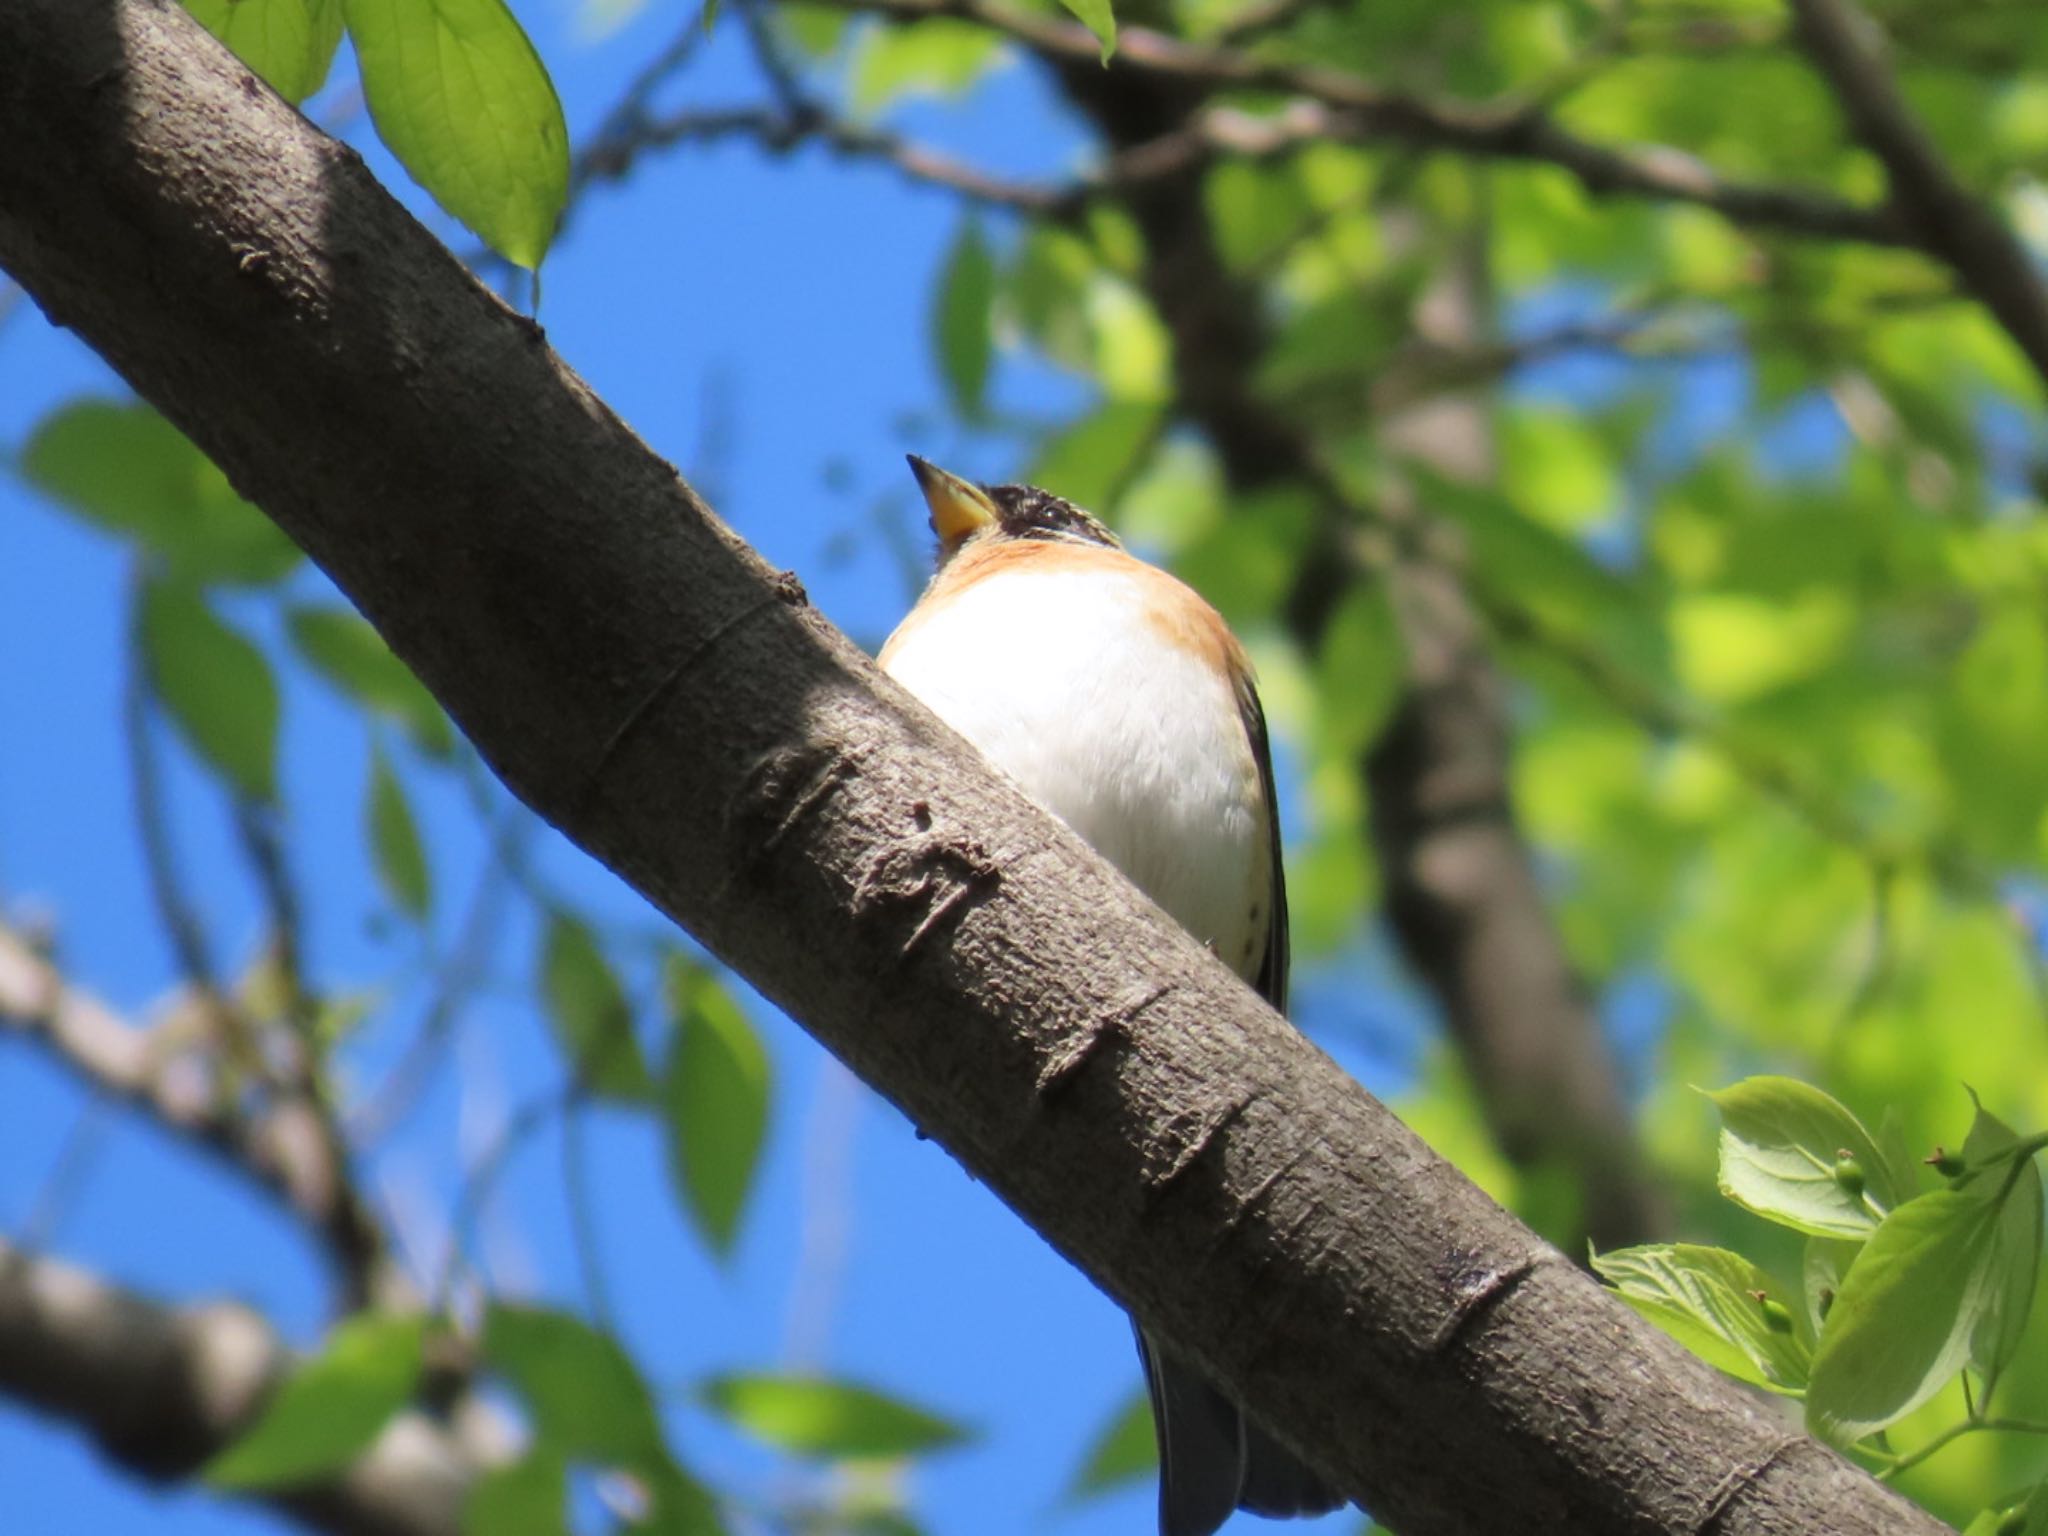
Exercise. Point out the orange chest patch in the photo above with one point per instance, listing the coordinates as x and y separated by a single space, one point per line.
1174 610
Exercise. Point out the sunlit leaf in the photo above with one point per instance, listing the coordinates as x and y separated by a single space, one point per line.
464 102
1719 1305
960 319
330 1408
829 1418
1097 17
941 57
122 467
1362 668
1123 1450
1094 459
816 30
290 43
588 1009
714 1098
1255 210
1790 1152
2015 1260
395 847
527 1497
586 1399
214 684
352 656
1902 1322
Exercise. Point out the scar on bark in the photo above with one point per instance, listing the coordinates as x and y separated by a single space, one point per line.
1160 1184
1259 1193
789 788
1060 1071
684 665
1737 1479
1475 1289
939 877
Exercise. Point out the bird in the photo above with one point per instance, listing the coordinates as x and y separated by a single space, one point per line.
1120 701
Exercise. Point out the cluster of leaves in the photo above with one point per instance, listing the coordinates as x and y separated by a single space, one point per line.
455 89
1902 1289
587 1406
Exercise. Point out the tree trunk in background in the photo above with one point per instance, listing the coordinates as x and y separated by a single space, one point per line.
1462 895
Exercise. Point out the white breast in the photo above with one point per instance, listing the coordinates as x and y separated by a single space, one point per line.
1135 742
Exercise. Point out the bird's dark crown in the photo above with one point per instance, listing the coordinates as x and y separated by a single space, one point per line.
1026 512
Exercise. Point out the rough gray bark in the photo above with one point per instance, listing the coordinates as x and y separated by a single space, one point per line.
162 1389
637 675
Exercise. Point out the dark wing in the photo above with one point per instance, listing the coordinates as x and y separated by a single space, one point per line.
1201 1444
1272 978
1212 1459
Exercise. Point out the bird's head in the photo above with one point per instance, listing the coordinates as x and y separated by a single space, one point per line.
963 512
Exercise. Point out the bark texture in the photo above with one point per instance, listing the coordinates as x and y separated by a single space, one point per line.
643 680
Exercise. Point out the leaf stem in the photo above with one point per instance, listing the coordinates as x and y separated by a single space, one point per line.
1955 1432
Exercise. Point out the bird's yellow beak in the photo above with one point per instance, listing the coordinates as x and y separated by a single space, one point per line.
960 508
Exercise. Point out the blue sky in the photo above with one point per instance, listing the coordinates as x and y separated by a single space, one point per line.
763 324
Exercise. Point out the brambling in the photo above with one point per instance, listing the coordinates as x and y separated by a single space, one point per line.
1120 701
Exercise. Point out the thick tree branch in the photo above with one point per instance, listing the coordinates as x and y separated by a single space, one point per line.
162 1389
1941 213
635 673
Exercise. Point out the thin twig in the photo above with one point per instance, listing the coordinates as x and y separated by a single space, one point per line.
1355 110
180 919
583 1229
482 1180
171 1072
462 972
76 1156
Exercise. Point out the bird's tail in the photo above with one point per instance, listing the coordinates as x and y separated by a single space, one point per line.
1213 1460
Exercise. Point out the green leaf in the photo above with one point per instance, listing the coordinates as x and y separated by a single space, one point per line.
463 100
714 1099
216 686
330 1408
1822 1266
588 1009
352 656
814 30
290 43
828 1418
586 1399
1719 1305
122 467
1902 1322
1361 669
1256 210
1781 1146
1097 17
941 57
1124 1449
1094 459
527 1497
395 847
960 319
2016 1248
